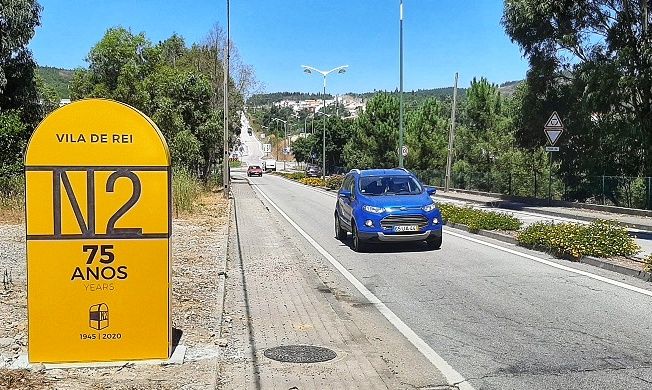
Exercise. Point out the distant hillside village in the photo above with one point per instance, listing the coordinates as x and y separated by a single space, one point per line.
351 104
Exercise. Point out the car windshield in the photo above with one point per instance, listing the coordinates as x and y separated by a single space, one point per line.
254 167
389 185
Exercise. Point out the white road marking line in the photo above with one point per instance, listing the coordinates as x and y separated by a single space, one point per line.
551 263
451 375
538 259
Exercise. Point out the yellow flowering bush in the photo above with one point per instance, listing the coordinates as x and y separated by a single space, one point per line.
313 181
600 239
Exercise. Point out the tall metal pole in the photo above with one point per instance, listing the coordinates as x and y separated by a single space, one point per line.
400 121
451 138
323 171
225 161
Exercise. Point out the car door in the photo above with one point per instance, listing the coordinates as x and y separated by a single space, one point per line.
346 208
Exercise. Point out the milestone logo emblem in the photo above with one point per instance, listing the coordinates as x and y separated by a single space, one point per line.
98 316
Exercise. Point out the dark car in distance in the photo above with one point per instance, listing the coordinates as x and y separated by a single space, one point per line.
254 170
313 171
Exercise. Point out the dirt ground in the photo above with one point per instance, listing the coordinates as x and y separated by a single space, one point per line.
198 252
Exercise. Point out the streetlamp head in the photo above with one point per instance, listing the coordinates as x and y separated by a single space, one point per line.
343 70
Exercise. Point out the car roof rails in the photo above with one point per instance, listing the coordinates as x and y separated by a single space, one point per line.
402 169
355 170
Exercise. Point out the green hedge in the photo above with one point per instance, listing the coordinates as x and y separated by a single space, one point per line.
648 263
292 176
476 219
600 239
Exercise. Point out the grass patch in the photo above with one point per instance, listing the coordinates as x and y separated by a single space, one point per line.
599 239
235 164
12 198
186 190
476 219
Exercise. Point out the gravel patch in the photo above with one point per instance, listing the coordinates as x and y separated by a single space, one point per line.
198 251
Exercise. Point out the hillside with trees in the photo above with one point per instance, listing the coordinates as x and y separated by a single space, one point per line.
56 78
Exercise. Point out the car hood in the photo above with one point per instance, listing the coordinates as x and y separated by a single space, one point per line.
397 201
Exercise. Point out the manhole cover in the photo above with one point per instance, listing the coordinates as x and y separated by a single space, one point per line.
300 354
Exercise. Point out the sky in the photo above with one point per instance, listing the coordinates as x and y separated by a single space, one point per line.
276 37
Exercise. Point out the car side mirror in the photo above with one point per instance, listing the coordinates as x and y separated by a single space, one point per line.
345 194
431 190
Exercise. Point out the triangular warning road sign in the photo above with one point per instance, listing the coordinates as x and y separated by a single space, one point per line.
554 121
553 134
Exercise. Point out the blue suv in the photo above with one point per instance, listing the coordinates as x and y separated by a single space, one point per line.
386 205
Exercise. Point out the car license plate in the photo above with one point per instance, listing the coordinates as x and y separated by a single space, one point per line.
406 228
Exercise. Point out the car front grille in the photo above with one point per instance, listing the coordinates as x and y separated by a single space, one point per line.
402 220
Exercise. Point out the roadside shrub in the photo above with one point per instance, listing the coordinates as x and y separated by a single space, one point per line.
334 182
476 219
600 239
12 196
313 181
296 175
235 164
648 263
186 190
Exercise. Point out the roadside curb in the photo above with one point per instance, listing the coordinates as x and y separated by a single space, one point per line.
597 262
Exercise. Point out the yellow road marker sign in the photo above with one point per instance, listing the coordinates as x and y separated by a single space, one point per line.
98 222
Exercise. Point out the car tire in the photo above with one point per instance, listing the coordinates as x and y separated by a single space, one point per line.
358 244
340 233
434 243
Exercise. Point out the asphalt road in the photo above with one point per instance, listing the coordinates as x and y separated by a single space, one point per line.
503 321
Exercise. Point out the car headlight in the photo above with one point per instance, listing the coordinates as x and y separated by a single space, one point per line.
373 209
429 208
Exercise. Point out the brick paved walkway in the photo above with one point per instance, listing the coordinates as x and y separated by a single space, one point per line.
274 298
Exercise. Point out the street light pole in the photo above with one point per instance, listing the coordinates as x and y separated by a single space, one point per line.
285 127
451 139
309 70
400 121
225 160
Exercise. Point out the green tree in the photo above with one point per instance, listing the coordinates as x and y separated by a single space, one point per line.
426 134
18 20
374 140
12 142
591 61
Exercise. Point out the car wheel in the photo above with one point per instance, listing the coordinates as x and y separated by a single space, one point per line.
358 244
340 233
434 243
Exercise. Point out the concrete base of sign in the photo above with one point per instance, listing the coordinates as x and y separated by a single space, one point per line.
178 356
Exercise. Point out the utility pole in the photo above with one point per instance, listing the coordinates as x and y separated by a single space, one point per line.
225 161
646 18
323 150
400 121
451 138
